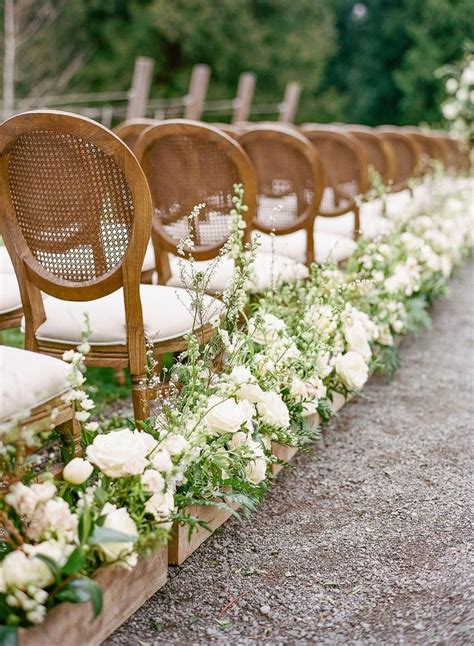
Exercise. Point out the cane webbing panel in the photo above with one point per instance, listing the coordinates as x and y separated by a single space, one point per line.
284 179
72 203
405 160
342 170
185 170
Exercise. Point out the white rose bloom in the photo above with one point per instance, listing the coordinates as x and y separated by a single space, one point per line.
176 444
298 389
273 411
226 415
161 460
248 388
256 470
120 521
316 388
153 481
121 453
77 471
267 329
323 364
56 551
352 370
160 506
356 339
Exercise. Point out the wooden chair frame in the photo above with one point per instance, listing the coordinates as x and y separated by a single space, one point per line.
395 137
33 278
370 139
129 131
162 241
315 131
291 138
432 149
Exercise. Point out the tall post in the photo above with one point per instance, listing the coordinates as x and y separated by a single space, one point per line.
194 100
290 102
243 100
140 90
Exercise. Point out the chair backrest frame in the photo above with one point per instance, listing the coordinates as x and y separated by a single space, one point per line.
130 131
371 140
399 140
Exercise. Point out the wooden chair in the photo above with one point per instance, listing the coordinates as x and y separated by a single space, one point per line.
130 130
188 163
346 171
408 155
76 215
432 149
231 129
378 151
290 180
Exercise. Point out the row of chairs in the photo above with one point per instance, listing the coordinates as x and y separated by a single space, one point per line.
88 225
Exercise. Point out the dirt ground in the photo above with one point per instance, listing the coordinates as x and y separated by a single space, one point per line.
367 539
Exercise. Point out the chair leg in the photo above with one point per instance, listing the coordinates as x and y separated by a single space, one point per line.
357 230
71 430
141 406
120 377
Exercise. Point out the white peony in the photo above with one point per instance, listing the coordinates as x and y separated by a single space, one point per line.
120 521
153 481
122 453
175 444
352 370
77 471
226 415
273 410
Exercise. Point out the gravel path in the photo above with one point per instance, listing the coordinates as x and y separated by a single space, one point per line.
366 540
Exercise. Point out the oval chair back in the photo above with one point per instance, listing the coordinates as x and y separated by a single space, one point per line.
129 131
378 151
346 170
76 215
188 163
407 153
290 180
432 149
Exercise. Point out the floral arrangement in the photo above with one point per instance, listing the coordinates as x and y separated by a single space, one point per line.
458 108
269 374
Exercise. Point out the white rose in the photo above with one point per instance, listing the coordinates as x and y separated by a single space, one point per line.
56 551
160 506
175 444
316 388
226 415
352 370
273 411
121 453
120 521
77 471
256 470
153 481
248 389
356 339
267 329
161 460
323 364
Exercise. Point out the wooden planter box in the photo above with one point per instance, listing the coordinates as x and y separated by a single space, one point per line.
286 453
124 592
181 546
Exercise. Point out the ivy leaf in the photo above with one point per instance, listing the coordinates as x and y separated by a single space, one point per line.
81 590
75 562
105 535
53 566
85 525
8 636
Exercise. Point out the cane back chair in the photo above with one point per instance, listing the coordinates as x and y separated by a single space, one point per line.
346 171
76 213
129 131
432 149
408 155
378 151
290 181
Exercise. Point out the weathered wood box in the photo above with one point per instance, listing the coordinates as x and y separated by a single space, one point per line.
124 591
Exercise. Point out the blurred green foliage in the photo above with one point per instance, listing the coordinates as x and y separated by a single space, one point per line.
372 61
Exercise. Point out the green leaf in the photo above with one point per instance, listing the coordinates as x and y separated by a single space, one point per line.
5 547
75 562
53 566
8 636
81 590
105 535
85 525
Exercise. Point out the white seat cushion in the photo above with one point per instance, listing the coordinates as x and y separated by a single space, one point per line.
267 272
149 260
10 299
327 246
372 222
6 265
165 316
29 379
